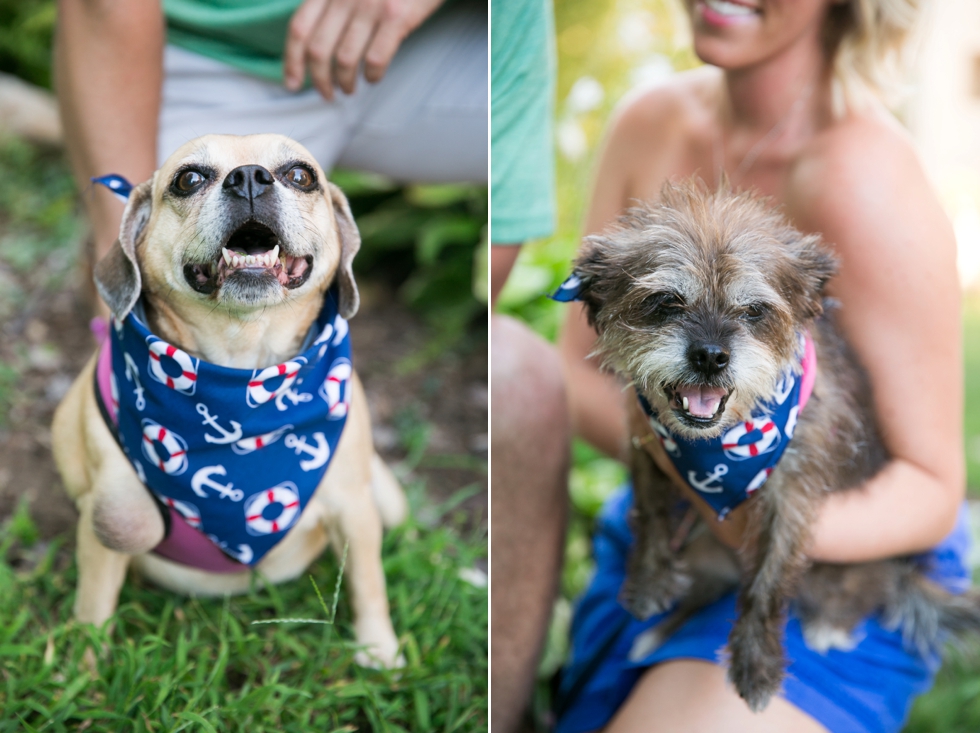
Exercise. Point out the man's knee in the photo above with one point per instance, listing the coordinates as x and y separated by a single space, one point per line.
527 382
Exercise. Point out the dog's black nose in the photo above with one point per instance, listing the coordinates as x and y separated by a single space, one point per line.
708 358
248 181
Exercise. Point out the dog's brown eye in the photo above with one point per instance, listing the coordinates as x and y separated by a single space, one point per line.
754 312
663 305
189 181
299 177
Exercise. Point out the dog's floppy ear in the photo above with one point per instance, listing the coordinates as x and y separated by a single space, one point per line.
117 275
814 265
350 243
592 266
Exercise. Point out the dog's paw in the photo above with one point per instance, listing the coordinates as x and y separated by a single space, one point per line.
375 658
648 593
822 637
756 669
379 645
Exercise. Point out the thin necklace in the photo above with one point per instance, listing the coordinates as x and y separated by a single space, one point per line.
756 150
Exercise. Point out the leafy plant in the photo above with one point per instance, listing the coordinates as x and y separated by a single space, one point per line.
26 32
422 240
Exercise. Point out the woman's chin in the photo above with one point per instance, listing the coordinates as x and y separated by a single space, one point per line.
724 53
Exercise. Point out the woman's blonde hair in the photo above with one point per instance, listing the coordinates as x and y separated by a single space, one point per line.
865 40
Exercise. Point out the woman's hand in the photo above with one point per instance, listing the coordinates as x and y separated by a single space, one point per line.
330 39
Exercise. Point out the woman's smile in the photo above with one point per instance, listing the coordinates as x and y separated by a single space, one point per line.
727 12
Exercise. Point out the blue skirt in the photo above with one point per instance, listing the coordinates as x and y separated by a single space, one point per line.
868 689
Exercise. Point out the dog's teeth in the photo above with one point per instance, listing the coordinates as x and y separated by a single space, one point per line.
236 261
226 255
685 403
274 255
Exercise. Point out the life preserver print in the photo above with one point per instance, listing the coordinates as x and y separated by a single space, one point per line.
179 372
336 389
750 439
187 510
155 434
272 510
760 478
258 393
249 445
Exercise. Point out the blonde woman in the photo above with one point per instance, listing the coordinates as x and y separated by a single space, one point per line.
788 106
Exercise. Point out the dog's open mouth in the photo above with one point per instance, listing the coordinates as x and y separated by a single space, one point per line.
699 405
252 251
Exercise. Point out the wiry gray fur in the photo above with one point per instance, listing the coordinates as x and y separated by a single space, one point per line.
723 256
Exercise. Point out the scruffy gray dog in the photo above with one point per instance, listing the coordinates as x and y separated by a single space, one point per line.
704 302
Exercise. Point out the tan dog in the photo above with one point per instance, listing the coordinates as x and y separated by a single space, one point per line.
269 192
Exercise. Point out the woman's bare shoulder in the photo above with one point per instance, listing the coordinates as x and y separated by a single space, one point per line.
655 127
657 114
862 174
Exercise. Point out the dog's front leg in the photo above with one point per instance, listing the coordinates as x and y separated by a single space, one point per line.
355 522
778 523
101 571
655 577
118 519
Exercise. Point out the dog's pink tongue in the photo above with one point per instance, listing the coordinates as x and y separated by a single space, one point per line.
702 401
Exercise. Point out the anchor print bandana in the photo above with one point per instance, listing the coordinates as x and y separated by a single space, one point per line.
236 453
726 470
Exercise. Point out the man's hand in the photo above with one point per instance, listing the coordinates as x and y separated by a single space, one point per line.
330 38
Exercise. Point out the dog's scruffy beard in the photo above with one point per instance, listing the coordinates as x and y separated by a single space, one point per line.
689 404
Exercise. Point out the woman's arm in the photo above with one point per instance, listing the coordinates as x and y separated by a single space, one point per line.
108 71
864 190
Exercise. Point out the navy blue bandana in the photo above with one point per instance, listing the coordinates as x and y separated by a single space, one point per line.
238 453
117 184
726 470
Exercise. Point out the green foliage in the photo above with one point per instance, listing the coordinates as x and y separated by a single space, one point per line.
8 390
174 663
26 32
40 220
21 526
971 361
423 241
953 705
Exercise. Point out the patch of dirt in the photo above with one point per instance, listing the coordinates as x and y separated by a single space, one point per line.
51 343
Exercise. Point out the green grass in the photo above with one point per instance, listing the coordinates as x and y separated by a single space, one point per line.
175 663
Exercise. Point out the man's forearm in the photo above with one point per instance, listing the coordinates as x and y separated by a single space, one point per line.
108 73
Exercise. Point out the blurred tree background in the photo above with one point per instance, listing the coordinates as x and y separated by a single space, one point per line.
606 48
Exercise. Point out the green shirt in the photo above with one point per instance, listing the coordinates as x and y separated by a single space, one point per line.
522 73
247 34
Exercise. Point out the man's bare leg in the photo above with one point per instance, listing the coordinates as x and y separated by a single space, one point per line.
530 436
